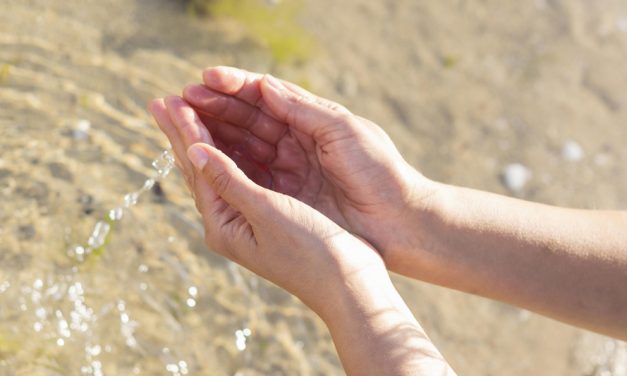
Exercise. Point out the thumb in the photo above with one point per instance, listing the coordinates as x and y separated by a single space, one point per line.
302 110
226 179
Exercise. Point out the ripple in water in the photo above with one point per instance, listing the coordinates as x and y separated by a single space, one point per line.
57 308
162 165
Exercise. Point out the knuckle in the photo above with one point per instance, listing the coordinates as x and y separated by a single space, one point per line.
220 181
334 106
222 105
252 118
299 104
347 121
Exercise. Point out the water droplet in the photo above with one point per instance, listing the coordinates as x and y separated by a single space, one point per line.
240 338
37 326
99 235
38 284
4 286
40 313
148 184
191 302
131 199
116 214
172 368
163 164
183 367
93 350
193 291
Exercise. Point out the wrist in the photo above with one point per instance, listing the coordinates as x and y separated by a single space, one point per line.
419 236
375 333
363 294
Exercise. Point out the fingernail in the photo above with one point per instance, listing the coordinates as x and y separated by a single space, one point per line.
198 156
274 82
215 77
234 72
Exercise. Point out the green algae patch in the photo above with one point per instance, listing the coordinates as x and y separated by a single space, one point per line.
450 61
5 72
272 26
8 346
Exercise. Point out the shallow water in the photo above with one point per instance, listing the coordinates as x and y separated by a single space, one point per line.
75 139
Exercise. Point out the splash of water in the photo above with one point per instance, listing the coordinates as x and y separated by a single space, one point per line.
98 238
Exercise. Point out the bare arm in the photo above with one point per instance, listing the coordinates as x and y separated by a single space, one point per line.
567 264
339 276
375 333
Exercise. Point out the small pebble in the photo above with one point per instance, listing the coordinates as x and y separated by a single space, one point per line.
571 151
4 173
26 232
87 203
81 130
515 176
158 195
60 171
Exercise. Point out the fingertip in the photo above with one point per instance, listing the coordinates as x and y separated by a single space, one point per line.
155 105
198 154
194 93
225 79
274 96
273 82
188 90
172 101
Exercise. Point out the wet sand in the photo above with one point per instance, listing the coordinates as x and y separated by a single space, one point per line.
463 88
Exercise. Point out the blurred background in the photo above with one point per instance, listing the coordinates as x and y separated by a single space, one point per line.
524 98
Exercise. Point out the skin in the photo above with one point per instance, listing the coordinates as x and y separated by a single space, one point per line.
338 275
340 172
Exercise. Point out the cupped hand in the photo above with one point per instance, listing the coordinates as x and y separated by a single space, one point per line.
293 142
274 235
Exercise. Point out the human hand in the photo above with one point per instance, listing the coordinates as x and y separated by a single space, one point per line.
282 239
274 235
317 151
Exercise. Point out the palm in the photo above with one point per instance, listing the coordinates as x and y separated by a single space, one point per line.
294 170
338 173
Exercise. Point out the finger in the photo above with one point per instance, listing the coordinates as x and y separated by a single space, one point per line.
305 113
247 86
228 181
159 111
313 97
259 150
235 111
219 220
233 81
190 128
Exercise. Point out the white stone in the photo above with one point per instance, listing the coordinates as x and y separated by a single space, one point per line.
572 151
515 176
81 130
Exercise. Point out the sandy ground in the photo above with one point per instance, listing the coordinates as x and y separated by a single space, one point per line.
464 88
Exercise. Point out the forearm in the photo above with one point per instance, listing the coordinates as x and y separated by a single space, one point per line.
567 264
375 333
